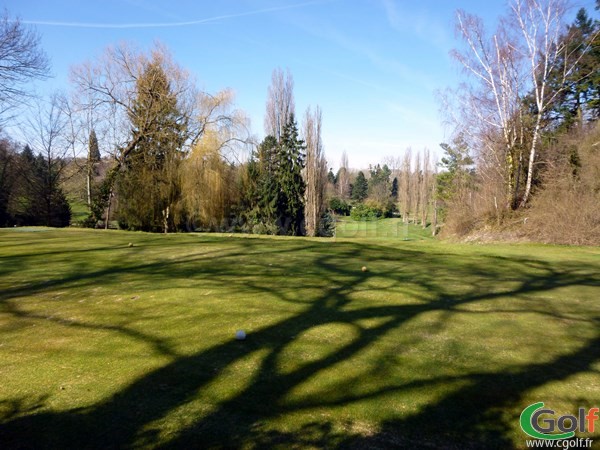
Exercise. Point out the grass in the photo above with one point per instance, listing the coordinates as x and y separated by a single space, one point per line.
79 211
436 345
346 227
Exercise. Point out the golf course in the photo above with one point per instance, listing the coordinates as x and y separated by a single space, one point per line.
114 339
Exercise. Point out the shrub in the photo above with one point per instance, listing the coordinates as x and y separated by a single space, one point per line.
339 206
366 212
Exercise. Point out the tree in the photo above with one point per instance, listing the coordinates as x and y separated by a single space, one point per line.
93 157
405 186
540 23
579 92
208 185
290 195
331 176
456 178
425 194
343 178
148 185
106 91
360 188
40 199
379 185
519 72
21 60
491 107
394 190
280 103
8 176
315 172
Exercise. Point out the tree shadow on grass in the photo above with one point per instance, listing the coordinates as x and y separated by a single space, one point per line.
463 418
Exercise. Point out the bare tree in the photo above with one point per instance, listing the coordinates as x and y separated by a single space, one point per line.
315 171
280 103
21 60
343 178
425 187
541 23
492 107
46 133
405 185
516 61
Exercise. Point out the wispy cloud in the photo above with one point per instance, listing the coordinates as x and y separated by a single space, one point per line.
419 23
169 24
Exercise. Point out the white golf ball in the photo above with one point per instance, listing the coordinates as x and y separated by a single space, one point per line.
240 335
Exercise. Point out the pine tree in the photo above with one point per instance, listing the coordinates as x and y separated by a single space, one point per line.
92 159
394 190
360 188
290 195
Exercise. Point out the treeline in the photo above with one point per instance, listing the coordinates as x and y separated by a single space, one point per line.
403 186
524 157
161 154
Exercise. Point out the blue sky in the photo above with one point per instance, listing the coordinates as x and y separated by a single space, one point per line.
373 66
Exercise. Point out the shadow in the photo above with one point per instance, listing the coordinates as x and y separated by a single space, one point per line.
466 415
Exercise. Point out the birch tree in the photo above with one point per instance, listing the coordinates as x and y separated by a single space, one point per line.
541 24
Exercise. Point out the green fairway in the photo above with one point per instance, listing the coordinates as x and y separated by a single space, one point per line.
435 345
392 228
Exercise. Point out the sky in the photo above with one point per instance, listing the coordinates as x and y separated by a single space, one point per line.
375 67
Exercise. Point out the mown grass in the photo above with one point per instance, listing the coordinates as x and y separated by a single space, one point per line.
79 211
436 345
390 228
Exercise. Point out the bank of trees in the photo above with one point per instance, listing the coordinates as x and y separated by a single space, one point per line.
403 186
147 150
529 102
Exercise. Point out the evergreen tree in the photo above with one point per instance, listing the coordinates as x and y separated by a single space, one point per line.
580 94
147 186
360 188
92 159
93 148
267 184
291 187
331 177
457 177
394 190
38 199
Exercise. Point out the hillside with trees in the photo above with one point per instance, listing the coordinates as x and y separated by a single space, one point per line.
138 145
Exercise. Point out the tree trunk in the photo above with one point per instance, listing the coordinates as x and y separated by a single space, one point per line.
89 186
434 219
108 210
531 162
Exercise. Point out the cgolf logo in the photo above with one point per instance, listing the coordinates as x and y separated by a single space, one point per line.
535 423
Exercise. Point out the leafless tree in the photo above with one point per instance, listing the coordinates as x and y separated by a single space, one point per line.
107 87
541 23
514 62
405 185
425 187
46 133
315 170
21 60
343 178
492 106
280 102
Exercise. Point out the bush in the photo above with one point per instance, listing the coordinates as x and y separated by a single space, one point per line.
339 206
366 212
